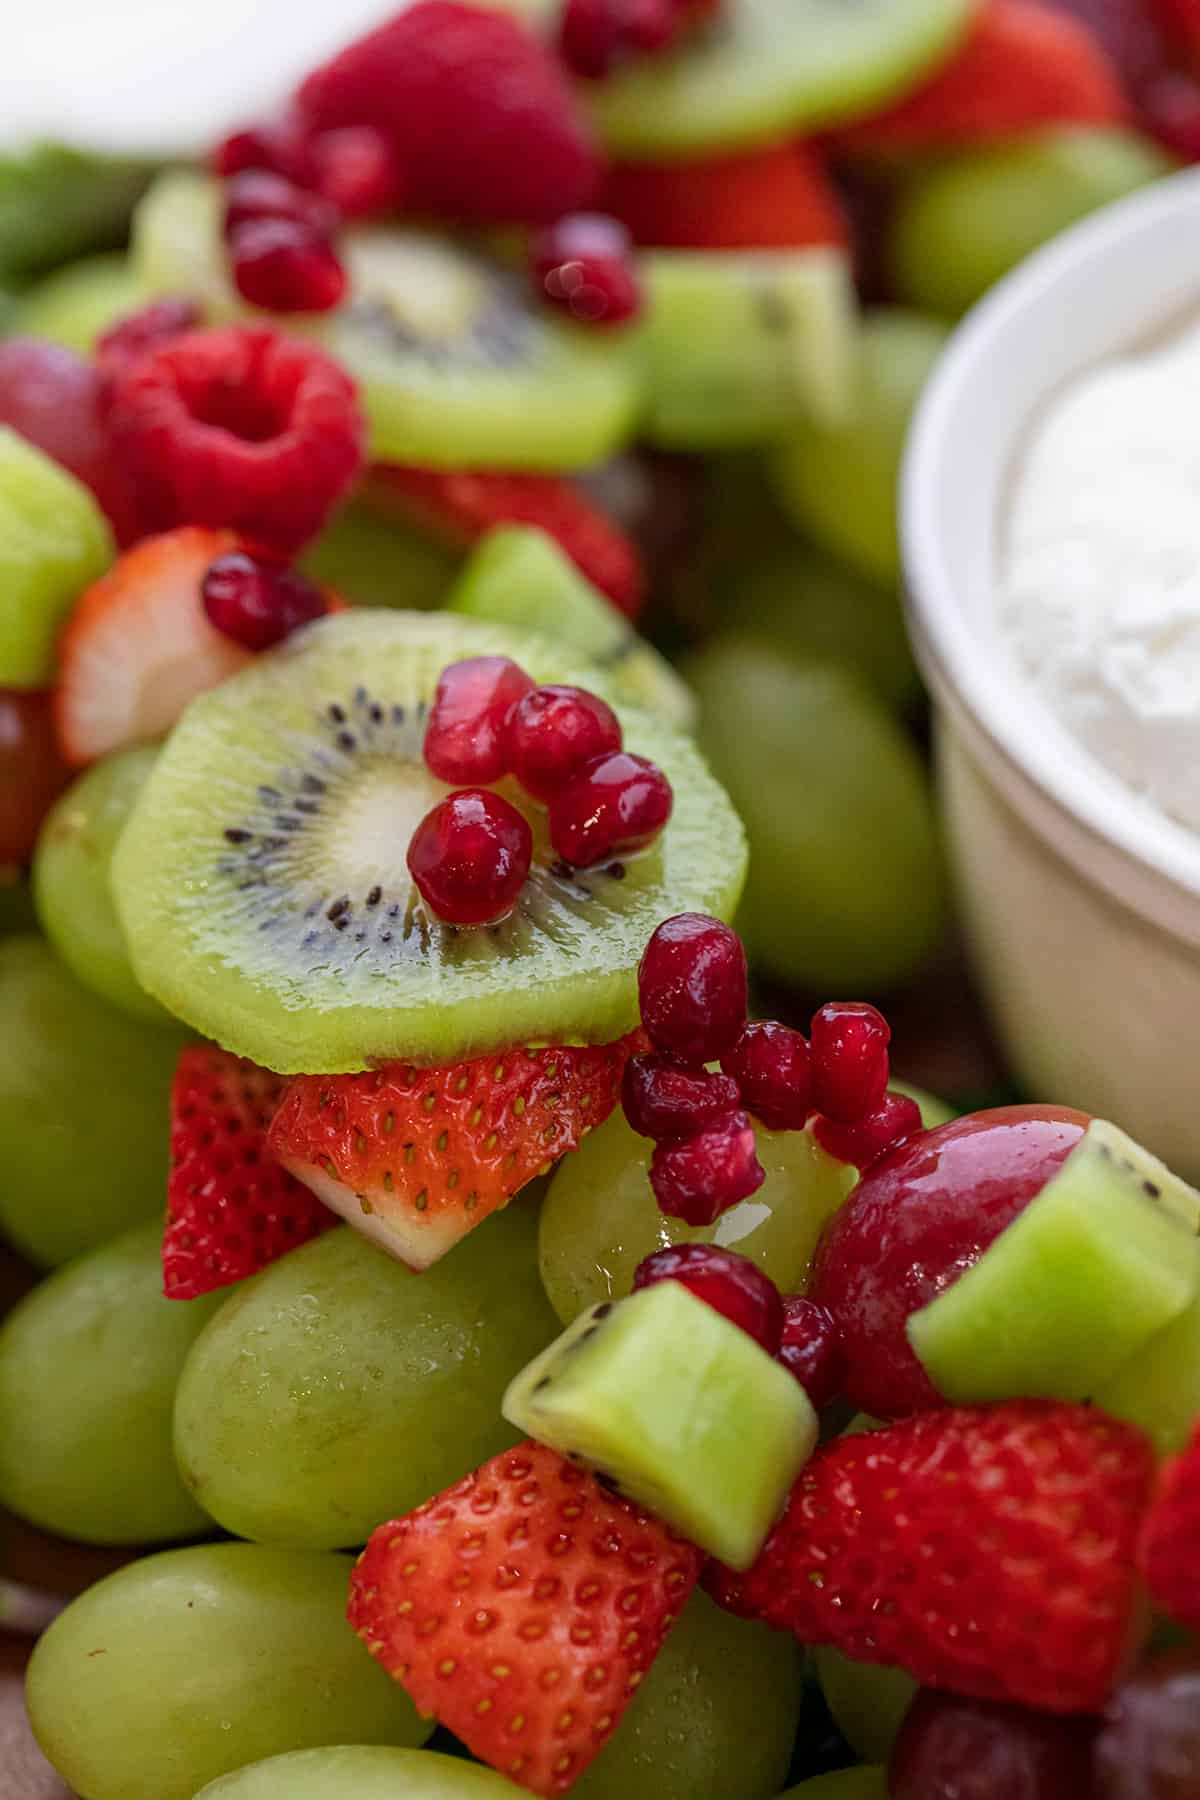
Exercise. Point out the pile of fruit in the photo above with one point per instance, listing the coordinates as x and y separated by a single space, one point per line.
448 570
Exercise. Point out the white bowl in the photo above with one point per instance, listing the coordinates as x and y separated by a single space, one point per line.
1081 903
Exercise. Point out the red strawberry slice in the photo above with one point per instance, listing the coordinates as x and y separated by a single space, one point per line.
416 1158
779 198
522 1609
1021 66
986 1550
461 507
231 1209
1169 1551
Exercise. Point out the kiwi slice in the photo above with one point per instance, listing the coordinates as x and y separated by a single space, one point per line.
54 541
262 883
458 367
680 1409
1100 1260
519 576
1159 1387
75 304
767 68
741 344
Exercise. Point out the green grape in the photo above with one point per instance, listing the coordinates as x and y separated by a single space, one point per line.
83 1110
839 481
844 1784
868 1703
75 304
88 1366
846 884
715 1716
376 561
933 1111
600 1217
191 1663
338 1389
70 880
363 1772
964 221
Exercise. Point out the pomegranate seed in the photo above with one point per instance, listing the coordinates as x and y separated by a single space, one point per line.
702 1177
553 732
584 265
692 987
466 739
812 1349
1170 111
951 1747
285 267
771 1065
591 39
283 148
667 1102
357 172
140 332
732 1285
615 805
893 1120
260 194
849 1059
470 857
258 604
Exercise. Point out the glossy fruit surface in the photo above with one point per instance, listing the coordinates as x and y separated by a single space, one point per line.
692 987
470 857
731 1284
32 772
951 1749
1149 1742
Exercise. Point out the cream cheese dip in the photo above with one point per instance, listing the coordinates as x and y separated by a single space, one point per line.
1099 591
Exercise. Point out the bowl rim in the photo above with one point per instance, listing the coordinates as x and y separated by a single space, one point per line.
960 667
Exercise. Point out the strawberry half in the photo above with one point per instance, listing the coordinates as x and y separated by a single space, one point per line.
460 507
231 1209
1021 66
1169 1551
775 199
416 1158
522 1609
986 1550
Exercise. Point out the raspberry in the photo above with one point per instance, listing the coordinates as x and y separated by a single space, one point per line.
732 1285
553 731
702 1177
863 1143
849 1059
239 427
770 1064
259 194
812 1349
666 1102
131 337
258 604
692 985
615 805
466 740
470 856
284 266
584 266
480 118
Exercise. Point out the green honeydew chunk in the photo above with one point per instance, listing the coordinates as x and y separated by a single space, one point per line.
88 1366
1100 1260
362 1772
682 1409
54 541
1159 1387
519 576
210 1658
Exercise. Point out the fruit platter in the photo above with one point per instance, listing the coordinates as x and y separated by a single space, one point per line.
599 938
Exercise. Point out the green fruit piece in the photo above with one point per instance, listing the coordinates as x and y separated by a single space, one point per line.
1159 1387
838 480
933 1111
79 302
965 220
210 1658
846 886
762 71
88 1366
83 1110
843 1784
868 1702
227 911
741 345
71 880
362 1772
378 562
57 203
338 1389
600 1218
457 365
54 541
518 576
680 1408
1100 1260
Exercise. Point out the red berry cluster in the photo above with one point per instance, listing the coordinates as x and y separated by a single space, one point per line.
584 266
597 36
470 856
280 239
257 603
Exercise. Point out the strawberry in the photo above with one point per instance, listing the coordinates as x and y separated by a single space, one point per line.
1169 1550
416 1158
779 198
231 1209
462 506
522 1608
1021 66
986 1550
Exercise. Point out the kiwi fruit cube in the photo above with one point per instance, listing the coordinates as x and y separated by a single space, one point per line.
54 541
1102 1259
518 575
741 345
680 1408
1159 1387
